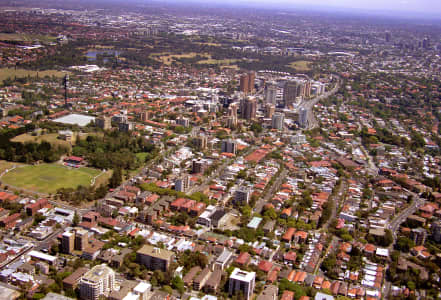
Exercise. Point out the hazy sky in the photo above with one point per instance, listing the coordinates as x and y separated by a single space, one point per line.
431 7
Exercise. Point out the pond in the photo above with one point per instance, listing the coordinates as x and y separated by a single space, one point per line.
91 54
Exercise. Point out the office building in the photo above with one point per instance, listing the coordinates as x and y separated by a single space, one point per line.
298 139
248 108
81 239
303 117
67 242
291 91
436 231
295 90
154 258
199 166
99 281
271 94
232 122
247 82
201 142
183 122
418 235
269 110
244 83
229 146
146 115
232 110
126 126
242 196
182 184
277 121
103 122
242 281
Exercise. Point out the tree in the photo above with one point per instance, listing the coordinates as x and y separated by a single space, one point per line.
329 263
178 284
168 289
116 178
76 219
404 244
256 128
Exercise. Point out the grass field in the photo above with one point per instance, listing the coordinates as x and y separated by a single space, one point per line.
6 73
168 59
50 138
6 165
301 65
223 62
141 156
103 178
210 44
22 37
48 178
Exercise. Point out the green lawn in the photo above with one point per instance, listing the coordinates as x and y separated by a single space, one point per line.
300 65
48 178
141 156
6 73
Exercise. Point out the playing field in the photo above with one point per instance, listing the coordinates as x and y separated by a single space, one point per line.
301 65
168 58
4 165
6 73
48 178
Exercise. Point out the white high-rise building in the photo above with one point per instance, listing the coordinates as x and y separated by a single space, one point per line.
271 94
98 281
277 121
303 117
242 281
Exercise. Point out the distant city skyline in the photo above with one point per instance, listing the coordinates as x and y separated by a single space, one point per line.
397 7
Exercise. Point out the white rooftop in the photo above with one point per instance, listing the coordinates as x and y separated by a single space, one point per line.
43 256
142 287
241 275
75 119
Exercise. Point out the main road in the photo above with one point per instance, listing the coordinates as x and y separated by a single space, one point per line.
275 186
309 104
402 216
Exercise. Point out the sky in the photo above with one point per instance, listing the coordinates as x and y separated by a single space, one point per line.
399 7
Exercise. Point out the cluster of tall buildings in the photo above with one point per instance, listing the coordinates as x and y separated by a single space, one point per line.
75 240
293 90
290 92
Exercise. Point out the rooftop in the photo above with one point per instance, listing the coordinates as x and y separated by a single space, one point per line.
241 275
75 119
96 273
156 252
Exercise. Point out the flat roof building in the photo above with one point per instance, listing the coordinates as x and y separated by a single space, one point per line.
75 119
242 281
96 282
154 258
